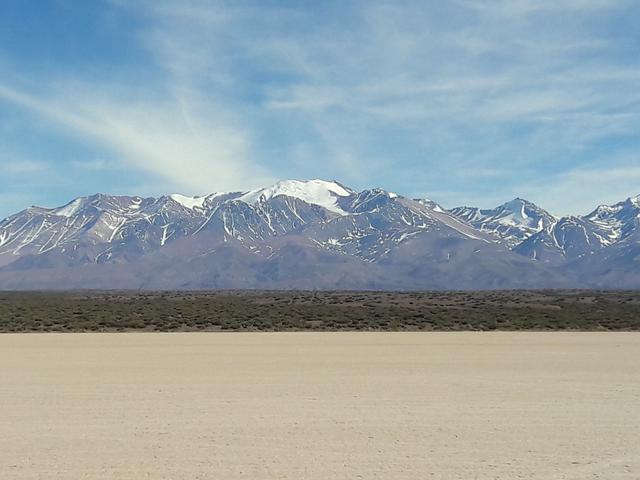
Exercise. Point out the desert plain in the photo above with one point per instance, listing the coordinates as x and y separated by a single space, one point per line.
320 405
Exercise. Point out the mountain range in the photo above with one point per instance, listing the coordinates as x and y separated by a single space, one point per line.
315 234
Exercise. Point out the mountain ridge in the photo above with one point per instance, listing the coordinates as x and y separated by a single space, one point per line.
315 234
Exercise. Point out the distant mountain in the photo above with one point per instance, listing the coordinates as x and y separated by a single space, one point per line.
513 222
576 237
314 235
619 221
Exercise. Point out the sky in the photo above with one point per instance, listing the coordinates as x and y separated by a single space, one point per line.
466 102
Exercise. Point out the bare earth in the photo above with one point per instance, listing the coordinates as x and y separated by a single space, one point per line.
320 406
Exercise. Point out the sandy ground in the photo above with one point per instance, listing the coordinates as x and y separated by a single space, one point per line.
320 406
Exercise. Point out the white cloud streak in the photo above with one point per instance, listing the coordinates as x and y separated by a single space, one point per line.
167 138
23 167
424 95
581 190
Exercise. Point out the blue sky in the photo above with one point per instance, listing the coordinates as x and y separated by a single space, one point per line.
463 101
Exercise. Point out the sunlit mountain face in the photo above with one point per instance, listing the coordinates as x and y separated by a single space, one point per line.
315 234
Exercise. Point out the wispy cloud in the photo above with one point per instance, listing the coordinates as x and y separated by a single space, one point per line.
192 152
96 164
580 190
468 98
23 167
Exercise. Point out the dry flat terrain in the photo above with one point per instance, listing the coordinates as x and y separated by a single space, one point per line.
320 406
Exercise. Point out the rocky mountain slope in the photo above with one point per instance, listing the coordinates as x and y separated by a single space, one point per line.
573 238
314 235
513 222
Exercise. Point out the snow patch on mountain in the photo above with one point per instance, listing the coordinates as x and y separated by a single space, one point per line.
70 209
513 221
188 202
618 221
427 202
317 192
343 227
573 238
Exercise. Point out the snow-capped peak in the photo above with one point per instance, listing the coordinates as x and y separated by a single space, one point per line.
317 192
515 213
70 209
188 202
624 209
513 221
